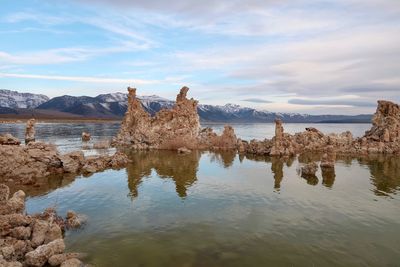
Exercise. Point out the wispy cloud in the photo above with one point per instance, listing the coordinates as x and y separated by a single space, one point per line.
316 102
256 100
84 79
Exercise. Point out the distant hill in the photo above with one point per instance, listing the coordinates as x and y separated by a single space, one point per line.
13 99
114 105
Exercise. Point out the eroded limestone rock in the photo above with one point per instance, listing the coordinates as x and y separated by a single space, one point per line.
30 131
26 163
86 136
168 129
8 139
385 123
282 143
42 254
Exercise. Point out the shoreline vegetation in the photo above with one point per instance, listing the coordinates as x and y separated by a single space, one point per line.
175 129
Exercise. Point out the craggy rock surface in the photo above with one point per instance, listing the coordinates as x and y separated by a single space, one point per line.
179 128
24 164
30 131
8 139
168 129
29 240
384 137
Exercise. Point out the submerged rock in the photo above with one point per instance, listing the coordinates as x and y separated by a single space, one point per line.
74 220
72 263
58 259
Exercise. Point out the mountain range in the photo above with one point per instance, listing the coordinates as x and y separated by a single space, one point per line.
114 105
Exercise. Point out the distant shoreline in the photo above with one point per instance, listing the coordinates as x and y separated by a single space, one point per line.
9 120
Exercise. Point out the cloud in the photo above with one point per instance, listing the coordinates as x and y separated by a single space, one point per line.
84 79
256 100
316 102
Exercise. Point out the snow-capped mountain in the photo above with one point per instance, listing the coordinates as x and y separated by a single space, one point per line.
13 99
114 105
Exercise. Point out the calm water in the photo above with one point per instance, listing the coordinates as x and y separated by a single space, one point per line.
67 136
219 209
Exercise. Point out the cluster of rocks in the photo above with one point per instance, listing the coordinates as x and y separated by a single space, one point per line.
33 240
384 137
179 129
23 164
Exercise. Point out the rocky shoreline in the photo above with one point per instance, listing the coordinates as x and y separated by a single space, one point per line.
34 240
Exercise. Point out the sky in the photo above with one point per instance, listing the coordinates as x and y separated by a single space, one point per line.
315 57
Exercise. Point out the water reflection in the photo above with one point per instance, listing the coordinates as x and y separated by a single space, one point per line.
328 177
181 168
385 173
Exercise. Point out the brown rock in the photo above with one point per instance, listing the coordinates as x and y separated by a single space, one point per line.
39 231
168 129
385 123
56 260
4 193
72 162
30 131
74 220
40 255
72 263
104 144
86 136
21 232
53 233
16 204
8 139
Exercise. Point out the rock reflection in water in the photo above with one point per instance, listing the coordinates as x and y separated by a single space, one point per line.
385 173
181 168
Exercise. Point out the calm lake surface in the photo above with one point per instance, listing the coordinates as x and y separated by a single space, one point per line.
222 209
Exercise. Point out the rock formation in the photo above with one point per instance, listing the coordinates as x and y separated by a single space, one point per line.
168 129
385 123
30 131
86 136
24 164
29 240
282 143
8 139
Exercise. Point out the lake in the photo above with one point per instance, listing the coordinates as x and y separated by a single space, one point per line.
222 209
